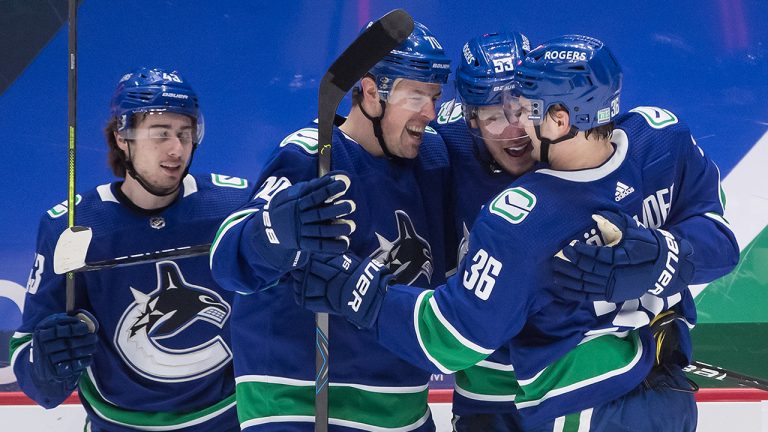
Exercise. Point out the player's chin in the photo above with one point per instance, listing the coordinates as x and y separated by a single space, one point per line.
409 147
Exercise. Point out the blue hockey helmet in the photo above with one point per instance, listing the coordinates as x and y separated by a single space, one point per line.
154 90
578 72
487 69
420 58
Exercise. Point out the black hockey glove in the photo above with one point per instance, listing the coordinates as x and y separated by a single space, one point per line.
667 328
343 285
634 261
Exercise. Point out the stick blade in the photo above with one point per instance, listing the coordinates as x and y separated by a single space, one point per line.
375 42
381 37
71 249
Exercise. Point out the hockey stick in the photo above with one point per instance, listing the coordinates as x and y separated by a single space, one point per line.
72 248
361 55
709 371
72 120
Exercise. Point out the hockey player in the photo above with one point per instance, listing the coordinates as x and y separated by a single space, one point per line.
151 351
483 164
588 360
397 166
487 153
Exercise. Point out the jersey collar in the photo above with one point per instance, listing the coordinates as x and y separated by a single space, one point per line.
619 139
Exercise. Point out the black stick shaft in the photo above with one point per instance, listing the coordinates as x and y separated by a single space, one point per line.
148 257
351 66
717 373
72 116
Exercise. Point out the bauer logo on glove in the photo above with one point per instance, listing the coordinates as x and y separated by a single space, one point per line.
363 282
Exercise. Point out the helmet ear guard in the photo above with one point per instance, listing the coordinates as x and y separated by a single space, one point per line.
578 72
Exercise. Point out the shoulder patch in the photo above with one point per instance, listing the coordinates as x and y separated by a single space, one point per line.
449 112
305 138
227 181
513 205
61 209
429 130
657 118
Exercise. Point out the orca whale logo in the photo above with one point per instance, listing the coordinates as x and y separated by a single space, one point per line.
409 255
164 314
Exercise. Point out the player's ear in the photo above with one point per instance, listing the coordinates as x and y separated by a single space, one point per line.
121 144
563 120
370 95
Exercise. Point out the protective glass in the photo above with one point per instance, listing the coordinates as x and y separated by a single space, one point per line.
162 131
411 98
493 122
523 111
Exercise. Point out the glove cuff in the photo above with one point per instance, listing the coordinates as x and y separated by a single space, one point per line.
673 268
274 254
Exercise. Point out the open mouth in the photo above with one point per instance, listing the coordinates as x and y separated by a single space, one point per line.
415 131
519 149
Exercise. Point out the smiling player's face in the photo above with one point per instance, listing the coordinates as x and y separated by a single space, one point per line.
410 107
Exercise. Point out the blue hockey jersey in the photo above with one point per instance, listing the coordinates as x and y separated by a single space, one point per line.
472 182
397 204
164 360
490 385
567 356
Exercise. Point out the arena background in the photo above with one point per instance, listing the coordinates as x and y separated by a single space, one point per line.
256 67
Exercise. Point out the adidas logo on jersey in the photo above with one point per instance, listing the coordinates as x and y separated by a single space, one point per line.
622 190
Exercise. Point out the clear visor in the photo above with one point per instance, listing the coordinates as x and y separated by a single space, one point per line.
414 96
523 111
160 126
493 122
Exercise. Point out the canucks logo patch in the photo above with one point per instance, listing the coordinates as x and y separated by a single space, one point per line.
513 205
449 112
305 138
657 118
61 209
228 181
409 255
154 336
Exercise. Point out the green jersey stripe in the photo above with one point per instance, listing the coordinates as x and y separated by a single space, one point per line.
441 343
486 384
148 421
579 368
273 379
266 399
17 343
229 222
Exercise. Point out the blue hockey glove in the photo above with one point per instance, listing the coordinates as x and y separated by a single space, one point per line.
304 218
63 347
343 285
634 261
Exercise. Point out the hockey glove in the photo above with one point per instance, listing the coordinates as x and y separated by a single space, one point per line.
634 261
666 329
304 218
63 347
343 285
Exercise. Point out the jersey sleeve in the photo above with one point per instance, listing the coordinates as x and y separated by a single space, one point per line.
698 215
235 260
46 295
459 324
